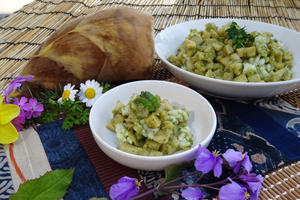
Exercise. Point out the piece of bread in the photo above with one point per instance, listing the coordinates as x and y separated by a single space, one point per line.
111 45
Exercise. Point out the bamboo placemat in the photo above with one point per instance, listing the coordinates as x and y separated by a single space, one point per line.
23 31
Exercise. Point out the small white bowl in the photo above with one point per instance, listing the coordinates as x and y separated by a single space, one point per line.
202 122
167 41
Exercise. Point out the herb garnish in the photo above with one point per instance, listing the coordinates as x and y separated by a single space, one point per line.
149 100
239 36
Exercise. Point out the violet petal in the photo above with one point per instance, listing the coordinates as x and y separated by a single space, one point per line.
191 193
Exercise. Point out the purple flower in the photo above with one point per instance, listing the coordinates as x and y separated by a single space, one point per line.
233 191
17 124
21 104
17 82
21 118
236 159
191 193
125 189
33 109
254 182
207 161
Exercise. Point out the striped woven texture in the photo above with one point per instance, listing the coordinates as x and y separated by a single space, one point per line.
23 31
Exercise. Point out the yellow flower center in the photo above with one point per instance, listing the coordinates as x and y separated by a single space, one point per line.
66 94
138 183
247 194
216 153
90 93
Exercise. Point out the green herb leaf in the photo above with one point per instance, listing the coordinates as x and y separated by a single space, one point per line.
51 186
149 100
77 114
239 36
105 86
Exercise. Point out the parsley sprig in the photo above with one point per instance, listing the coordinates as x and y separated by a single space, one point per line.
239 36
149 100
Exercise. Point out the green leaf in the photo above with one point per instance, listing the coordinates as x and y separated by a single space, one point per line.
239 36
105 87
149 100
51 186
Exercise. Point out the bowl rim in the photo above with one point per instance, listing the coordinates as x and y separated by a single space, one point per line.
164 157
230 83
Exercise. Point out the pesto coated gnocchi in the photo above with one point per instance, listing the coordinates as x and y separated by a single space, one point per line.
147 132
212 53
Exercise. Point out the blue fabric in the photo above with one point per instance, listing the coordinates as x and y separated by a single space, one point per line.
268 129
64 151
259 128
268 124
6 184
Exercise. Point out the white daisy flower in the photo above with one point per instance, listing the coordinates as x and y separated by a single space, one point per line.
68 93
90 92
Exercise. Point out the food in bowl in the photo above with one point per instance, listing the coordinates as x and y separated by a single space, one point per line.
150 126
230 53
202 121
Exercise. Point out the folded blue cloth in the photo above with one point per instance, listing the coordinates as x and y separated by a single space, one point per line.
64 151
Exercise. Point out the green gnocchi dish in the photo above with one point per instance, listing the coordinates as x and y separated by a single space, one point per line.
230 53
150 126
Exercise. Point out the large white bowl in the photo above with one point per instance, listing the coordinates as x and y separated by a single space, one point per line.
202 121
169 39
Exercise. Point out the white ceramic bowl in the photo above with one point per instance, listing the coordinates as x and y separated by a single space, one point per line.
169 39
202 122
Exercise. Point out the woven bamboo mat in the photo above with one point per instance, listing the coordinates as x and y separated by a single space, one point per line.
23 31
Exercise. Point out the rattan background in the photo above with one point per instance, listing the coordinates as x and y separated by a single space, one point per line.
23 31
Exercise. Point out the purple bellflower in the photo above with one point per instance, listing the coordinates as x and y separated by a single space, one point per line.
233 191
33 109
207 161
192 193
125 189
17 82
254 182
236 159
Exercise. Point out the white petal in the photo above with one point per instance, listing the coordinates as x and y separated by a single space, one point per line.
83 86
66 87
88 104
81 97
71 88
89 84
85 100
